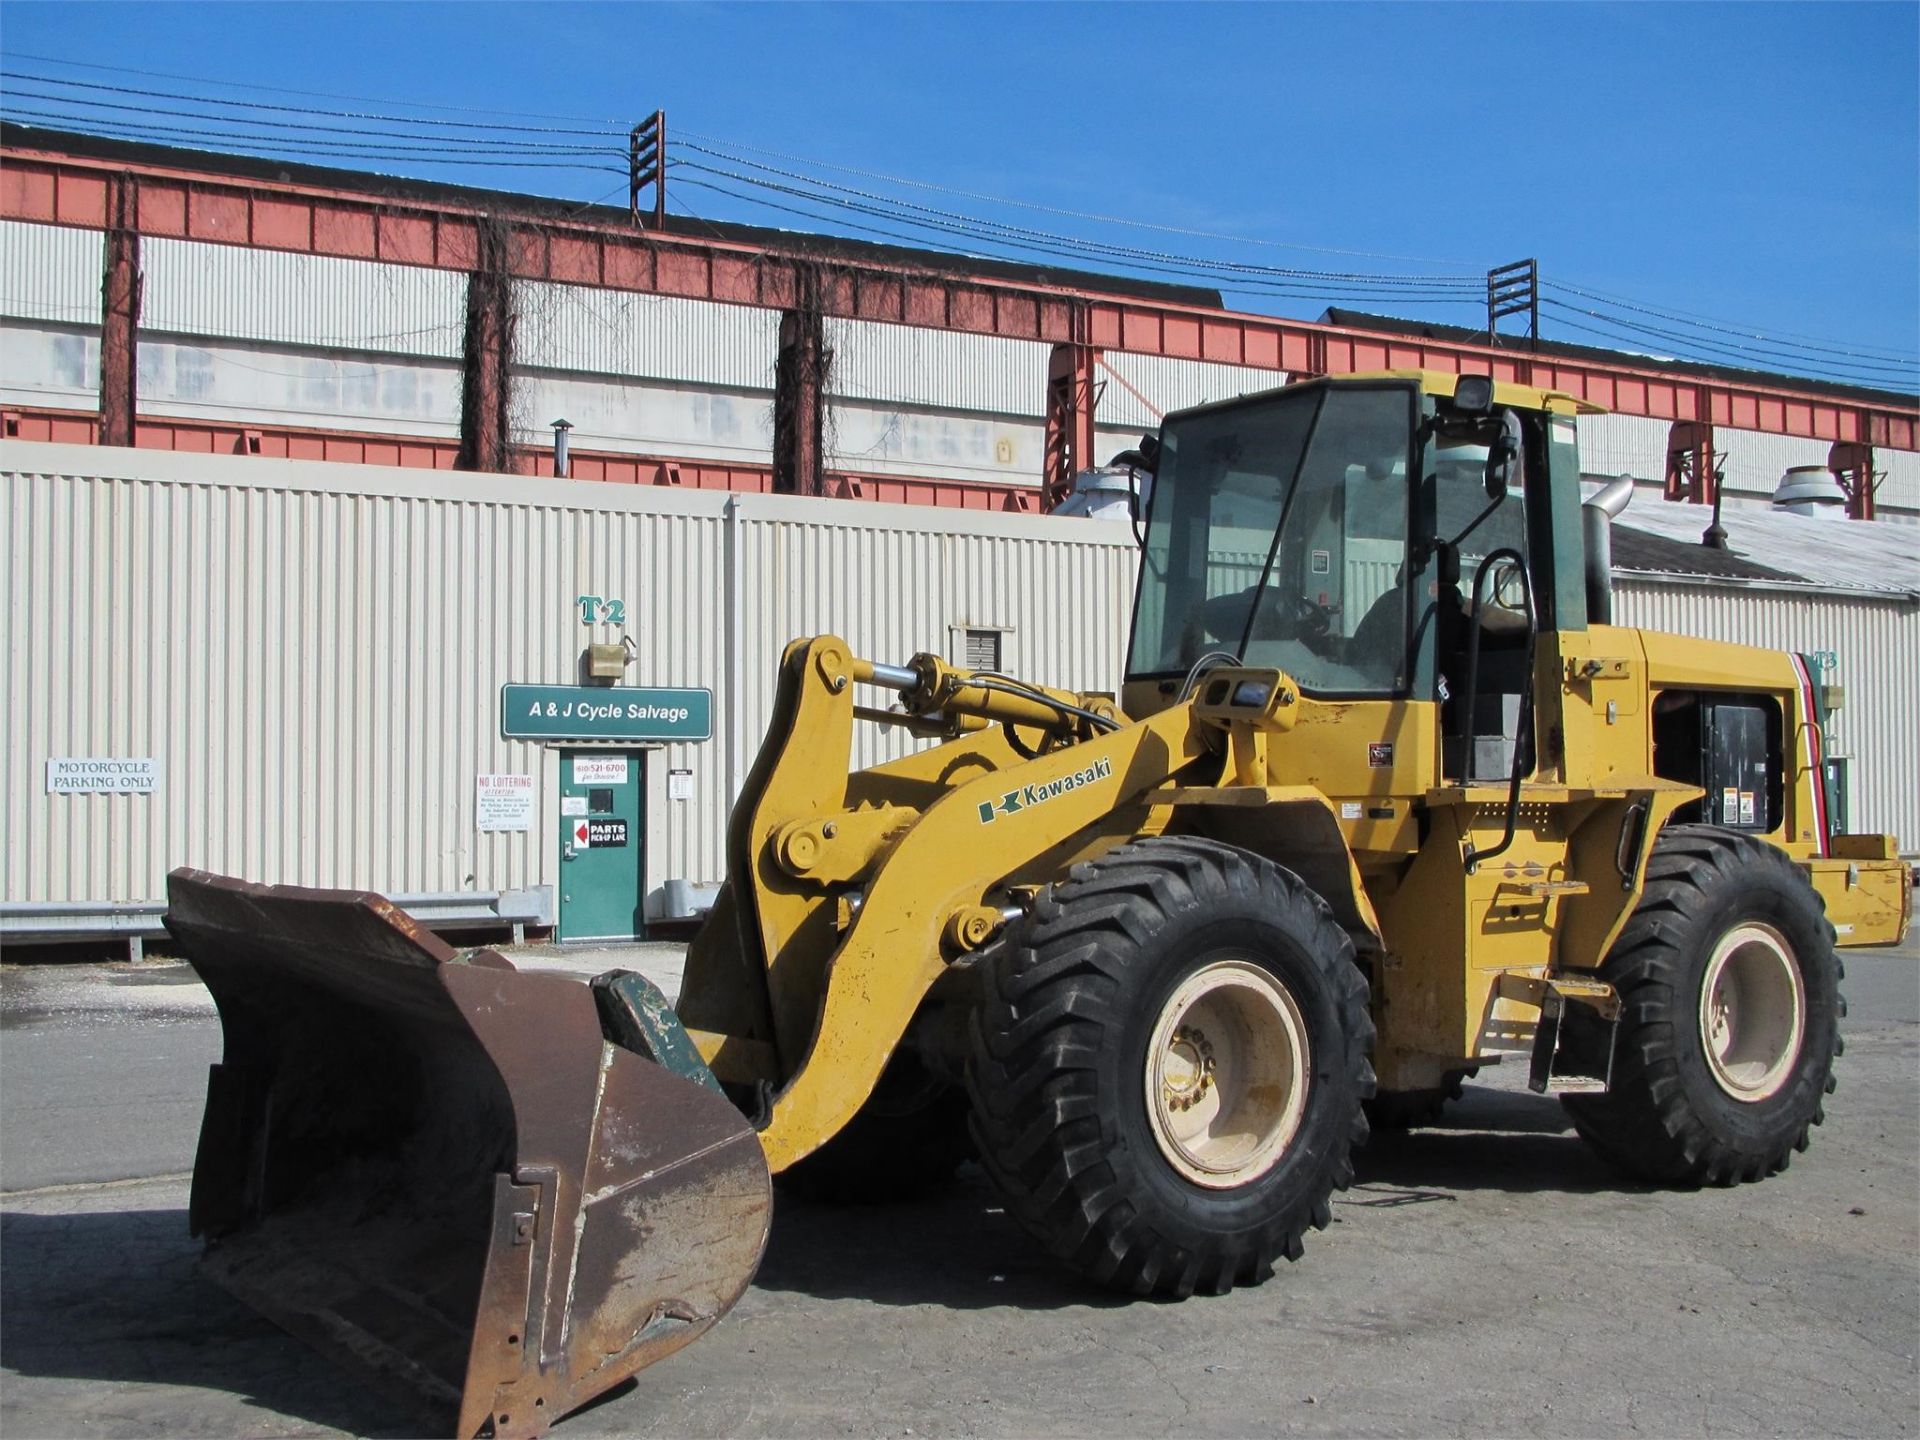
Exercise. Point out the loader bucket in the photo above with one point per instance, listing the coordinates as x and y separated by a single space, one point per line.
436 1168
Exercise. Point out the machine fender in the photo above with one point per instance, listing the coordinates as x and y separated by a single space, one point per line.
1608 849
1291 825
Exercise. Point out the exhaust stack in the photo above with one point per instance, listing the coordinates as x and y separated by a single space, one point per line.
1597 515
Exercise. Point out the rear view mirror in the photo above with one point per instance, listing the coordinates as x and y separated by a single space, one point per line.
1503 456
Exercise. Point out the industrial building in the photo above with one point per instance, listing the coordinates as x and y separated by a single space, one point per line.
272 581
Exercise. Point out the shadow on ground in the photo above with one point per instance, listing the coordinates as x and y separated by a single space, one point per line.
957 1248
114 1297
1505 1140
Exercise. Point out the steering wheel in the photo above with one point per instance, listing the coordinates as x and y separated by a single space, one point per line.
1278 616
1299 619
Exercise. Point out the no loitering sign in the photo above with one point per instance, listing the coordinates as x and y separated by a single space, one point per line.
102 775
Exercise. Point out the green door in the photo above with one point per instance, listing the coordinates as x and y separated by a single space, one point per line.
602 814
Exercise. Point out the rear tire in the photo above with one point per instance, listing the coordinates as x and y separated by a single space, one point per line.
1730 993
1168 1067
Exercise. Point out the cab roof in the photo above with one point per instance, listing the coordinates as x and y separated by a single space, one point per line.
1505 392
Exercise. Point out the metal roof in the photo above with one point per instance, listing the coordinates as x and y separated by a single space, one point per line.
1765 546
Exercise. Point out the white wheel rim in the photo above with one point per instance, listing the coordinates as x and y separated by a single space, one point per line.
1226 1074
1753 1012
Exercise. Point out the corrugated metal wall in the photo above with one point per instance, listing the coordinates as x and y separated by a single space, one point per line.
658 337
1877 642
1169 384
893 586
314 653
943 369
239 293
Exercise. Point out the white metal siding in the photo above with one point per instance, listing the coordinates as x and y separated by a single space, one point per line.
1624 445
1754 461
662 337
940 369
51 272
1900 490
1168 384
314 653
891 584
1877 641
46 364
240 293
241 384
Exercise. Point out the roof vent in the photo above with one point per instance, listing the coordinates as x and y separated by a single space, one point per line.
1106 493
1809 490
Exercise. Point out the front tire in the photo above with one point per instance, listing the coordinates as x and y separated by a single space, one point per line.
1168 1068
1731 1004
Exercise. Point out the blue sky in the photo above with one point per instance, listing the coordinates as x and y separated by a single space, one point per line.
1755 166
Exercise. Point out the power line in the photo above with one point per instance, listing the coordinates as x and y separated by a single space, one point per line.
1059 210
1275 282
1679 318
1626 330
1693 315
1295 288
614 125
486 144
1127 251
201 138
467 143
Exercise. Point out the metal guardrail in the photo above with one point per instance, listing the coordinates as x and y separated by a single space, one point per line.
139 921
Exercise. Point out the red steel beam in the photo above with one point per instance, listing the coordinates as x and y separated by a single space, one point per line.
52 187
1070 434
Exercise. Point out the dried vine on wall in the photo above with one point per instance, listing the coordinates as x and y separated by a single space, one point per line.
802 375
487 369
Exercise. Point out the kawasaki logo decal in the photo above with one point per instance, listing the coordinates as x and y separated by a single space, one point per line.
1014 801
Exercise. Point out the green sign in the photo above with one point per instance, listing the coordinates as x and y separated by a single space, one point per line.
604 712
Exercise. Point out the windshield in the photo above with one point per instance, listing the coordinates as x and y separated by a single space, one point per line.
1279 536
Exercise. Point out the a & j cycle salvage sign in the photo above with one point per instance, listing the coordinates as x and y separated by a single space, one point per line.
597 712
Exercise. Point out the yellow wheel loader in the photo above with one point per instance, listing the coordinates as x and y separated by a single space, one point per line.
1385 799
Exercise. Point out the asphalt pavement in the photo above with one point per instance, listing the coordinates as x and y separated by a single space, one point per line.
1486 1276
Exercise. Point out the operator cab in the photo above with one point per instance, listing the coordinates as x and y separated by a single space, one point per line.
1336 530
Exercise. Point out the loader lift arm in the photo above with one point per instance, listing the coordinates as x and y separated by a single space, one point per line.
866 885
